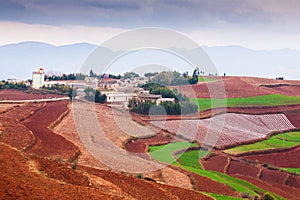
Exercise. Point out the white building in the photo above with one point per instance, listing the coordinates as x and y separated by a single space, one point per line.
38 78
118 98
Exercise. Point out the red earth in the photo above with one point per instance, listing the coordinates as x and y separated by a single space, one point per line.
293 181
233 87
242 168
49 144
284 191
13 132
204 184
141 189
294 118
285 90
19 95
286 159
215 162
273 176
43 171
238 87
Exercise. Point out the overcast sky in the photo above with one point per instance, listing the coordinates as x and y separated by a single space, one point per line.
256 24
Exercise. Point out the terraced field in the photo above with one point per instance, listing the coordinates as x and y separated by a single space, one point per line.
237 184
228 129
279 141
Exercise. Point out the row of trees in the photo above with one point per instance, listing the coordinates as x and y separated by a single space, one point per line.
81 76
72 76
16 86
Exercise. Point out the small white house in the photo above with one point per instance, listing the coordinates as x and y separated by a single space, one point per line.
118 98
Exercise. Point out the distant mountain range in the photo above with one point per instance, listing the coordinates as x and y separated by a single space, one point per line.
19 60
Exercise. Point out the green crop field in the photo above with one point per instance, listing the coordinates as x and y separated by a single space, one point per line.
266 100
279 141
222 197
191 158
290 136
190 162
163 153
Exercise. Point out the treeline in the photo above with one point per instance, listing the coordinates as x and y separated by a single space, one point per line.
169 108
175 78
64 90
94 95
16 86
64 77
181 104
81 76
155 88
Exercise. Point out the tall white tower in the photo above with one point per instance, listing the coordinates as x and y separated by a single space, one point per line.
38 78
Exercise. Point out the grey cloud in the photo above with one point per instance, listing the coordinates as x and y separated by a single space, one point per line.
131 13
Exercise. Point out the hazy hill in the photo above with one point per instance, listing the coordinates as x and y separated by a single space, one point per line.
19 60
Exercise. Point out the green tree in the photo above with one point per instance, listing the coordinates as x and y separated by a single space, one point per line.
129 75
72 93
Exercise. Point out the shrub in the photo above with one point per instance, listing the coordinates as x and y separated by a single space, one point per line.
74 166
268 196
140 176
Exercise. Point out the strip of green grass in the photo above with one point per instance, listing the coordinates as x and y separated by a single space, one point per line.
206 79
293 170
163 153
290 136
191 158
266 100
222 197
279 141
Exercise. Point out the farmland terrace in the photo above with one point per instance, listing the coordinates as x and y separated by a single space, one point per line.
37 163
43 153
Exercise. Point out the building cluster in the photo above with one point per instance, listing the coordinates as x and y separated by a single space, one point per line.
118 91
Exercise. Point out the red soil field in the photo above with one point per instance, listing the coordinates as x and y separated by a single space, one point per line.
144 190
294 118
257 81
215 163
273 176
207 185
49 144
284 191
293 181
19 95
6 107
285 90
286 159
242 168
38 178
19 181
234 88
141 145
237 87
14 133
